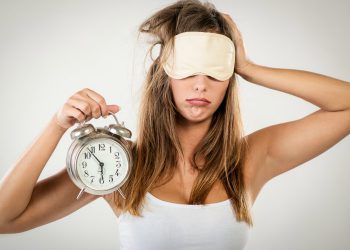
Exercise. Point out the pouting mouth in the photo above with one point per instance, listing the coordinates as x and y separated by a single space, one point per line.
198 99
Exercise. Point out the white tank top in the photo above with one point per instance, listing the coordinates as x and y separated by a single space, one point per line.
167 225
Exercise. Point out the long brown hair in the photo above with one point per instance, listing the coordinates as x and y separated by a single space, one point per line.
156 149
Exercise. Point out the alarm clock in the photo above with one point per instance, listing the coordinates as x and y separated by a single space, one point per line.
99 159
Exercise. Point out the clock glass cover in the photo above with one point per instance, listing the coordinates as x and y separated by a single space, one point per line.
102 164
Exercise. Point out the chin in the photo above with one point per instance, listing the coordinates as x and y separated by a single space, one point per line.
188 117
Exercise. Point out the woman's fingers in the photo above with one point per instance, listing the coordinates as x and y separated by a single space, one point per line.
80 104
113 108
95 101
241 61
236 33
100 102
75 113
83 106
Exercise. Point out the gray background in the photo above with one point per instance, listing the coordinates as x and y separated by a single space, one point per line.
51 49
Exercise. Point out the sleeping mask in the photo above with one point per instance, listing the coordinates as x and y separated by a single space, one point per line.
203 53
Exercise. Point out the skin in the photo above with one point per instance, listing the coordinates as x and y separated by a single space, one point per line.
195 120
197 86
191 126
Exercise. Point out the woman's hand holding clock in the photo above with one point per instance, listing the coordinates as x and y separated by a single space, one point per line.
83 105
106 145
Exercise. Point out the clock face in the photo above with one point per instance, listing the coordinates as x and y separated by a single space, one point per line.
102 164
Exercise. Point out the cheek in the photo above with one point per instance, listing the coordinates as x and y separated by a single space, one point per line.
223 93
220 94
177 93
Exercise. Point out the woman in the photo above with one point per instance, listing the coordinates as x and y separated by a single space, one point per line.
188 152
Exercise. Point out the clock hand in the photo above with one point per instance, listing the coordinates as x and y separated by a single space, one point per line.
101 171
100 163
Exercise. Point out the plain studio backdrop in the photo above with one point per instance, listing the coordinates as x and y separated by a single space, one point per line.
52 49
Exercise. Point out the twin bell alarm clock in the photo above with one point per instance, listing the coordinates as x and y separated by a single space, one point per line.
99 159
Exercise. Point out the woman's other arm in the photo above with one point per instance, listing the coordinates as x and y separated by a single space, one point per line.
282 147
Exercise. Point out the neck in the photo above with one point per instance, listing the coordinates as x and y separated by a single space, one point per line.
190 134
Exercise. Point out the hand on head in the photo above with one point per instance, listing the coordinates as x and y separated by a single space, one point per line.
242 61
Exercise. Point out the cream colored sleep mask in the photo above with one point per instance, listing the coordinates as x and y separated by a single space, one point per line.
203 53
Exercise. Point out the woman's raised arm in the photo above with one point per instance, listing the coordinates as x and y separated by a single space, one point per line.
26 203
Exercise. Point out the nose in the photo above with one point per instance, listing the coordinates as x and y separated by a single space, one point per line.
200 82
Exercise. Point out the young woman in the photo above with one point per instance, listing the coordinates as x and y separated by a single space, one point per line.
195 175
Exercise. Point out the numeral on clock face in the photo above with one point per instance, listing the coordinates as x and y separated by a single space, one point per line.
117 155
92 178
93 149
101 147
101 180
86 173
87 155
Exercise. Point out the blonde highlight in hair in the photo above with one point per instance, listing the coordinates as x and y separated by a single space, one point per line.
157 148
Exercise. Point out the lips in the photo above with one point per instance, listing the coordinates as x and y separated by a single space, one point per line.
198 101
